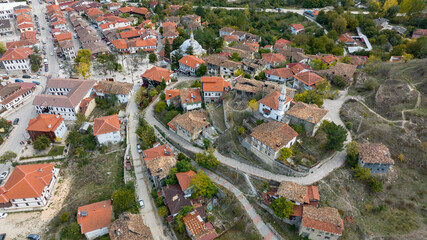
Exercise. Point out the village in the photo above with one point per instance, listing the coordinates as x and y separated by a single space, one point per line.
165 120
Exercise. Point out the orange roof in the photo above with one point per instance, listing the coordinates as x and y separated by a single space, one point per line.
214 84
280 72
146 42
157 74
171 93
16 54
190 95
120 44
22 10
169 24
106 124
25 25
45 123
64 36
184 179
159 151
28 35
329 59
345 38
194 223
93 11
27 181
191 61
131 33
297 26
99 215
272 100
140 10
325 219
273 58
309 78
231 38
59 21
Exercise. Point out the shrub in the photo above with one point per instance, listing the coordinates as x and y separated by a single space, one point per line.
41 143
160 106
349 125
241 130
299 128
163 211
65 217
375 185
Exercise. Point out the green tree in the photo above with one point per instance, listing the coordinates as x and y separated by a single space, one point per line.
352 152
361 173
83 56
201 70
41 143
160 106
310 97
123 200
318 64
336 135
177 42
2 48
412 6
184 166
168 48
71 232
189 50
203 185
152 57
206 143
235 57
65 217
172 179
153 92
241 130
282 207
36 62
375 185
339 24
207 160
139 95
74 138
284 154
163 211
299 128
7 156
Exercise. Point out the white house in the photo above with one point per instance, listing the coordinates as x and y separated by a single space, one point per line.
52 126
67 48
6 9
275 104
13 94
107 129
214 88
189 64
189 98
63 96
121 90
29 187
17 59
225 31
5 27
297 28
95 218
279 74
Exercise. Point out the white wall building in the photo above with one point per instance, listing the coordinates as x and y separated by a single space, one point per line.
107 129
275 104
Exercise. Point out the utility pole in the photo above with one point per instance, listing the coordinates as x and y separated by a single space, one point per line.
360 124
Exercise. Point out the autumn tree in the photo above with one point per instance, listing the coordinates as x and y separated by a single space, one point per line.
282 207
284 154
2 48
83 69
207 160
310 97
388 4
411 7
139 95
253 105
203 185
83 55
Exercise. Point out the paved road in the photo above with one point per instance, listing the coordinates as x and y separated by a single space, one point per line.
263 229
148 213
282 10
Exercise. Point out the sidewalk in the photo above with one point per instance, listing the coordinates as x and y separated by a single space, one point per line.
262 228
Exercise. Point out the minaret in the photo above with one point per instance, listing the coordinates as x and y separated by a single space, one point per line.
282 99
192 38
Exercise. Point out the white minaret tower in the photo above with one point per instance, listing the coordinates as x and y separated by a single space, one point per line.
282 99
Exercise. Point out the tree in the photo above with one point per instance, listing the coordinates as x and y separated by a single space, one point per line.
172 179
71 232
41 143
238 72
123 200
184 166
153 92
206 143
310 97
206 160
36 62
201 70
284 154
163 211
339 24
203 185
375 185
408 57
253 105
345 59
318 64
83 56
152 57
388 4
235 57
189 50
168 48
139 95
160 106
411 7
392 12
83 69
241 130
2 48
74 138
177 42
336 135
352 152
282 207
7 156
361 173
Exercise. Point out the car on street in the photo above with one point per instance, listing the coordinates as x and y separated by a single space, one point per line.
19 80
36 82
4 175
51 53
46 69
26 76
36 76
3 215
138 146
44 52
141 203
43 29
16 121
33 237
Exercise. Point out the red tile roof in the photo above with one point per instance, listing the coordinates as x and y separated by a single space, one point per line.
26 181
99 215
274 134
297 26
190 95
171 93
325 219
280 72
45 123
157 74
345 38
375 153
281 43
64 36
272 100
298 67
214 84
159 151
106 124
231 38
16 54
28 35
273 58
184 179
329 59
120 44
197 228
191 61
307 112
309 78
141 10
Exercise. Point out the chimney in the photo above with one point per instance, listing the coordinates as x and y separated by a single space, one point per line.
57 116
40 170
49 126
174 198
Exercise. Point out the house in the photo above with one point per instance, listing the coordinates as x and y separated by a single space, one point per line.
29 187
188 98
67 48
184 181
189 18
189 64
5 27
220 65
309 115
268 47
86 106
254 67
159 161
396 58
174 19
295 55
107 129
311 13
141 11
174 198
321 223
299 194
17 59
329 59
275 104
113 6
297 28
64 36
13 94
7 9
399 29
273 59
52 126
197 229
346 71
244 52
214 89
306 80
230 39
281 43
63 96
298 67
121 90
267 139
226 31
347 40
374 156
156 75
279 74
381 22
190 125
129 226
419 33
95 218
252 87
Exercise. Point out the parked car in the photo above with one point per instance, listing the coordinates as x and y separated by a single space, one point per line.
36 82
3 236
36 76
33 237
141 203
26 76
19 80
3 215
4 175
46 69
5 77
51 53
16 121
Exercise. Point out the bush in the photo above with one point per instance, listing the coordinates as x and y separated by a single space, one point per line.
152 57
160 106
336 135
65 217
349 125
7 156
339 82
241 130
299 128
375 185
41 143
163 211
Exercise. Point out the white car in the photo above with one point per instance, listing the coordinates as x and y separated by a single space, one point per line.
4 175
51 53
36 77
141 203
3 215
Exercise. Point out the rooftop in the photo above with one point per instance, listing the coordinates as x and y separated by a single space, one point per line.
307 112
374 153
106 124
174 198
45 123
94 216
214 84
272 100
192 121
325 219
274 134
184 179
157 74
298 193
129 227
